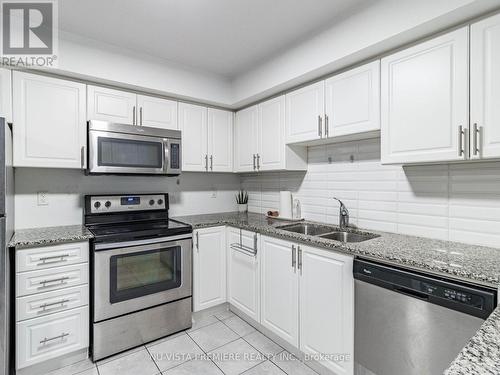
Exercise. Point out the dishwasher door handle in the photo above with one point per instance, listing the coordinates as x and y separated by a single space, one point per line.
411 293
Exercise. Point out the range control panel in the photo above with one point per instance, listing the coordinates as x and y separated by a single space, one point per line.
123 203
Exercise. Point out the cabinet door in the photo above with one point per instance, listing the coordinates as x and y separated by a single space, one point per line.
305 109
353 101
209 273
193 125
485 88
271 153
327 306
279 289
6 94
243 272
111 105
220 140
425 101
157 112
49 115
246 133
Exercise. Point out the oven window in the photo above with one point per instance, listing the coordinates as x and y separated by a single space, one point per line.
115 152
139 274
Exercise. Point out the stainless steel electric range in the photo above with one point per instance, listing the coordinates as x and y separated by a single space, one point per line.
141 271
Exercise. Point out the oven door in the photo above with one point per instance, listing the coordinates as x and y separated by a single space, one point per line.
127 153
137 275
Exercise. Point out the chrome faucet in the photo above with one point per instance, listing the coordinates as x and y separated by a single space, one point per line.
343 215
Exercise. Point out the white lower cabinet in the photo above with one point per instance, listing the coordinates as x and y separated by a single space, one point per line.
327 308
51 336
209 267
308 300
243 271
280 289
52 304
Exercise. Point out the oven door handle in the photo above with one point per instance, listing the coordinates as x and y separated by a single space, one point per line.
151 241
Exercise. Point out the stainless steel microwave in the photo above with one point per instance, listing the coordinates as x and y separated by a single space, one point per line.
127 149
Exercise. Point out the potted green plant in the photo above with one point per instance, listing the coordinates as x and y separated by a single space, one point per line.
242 200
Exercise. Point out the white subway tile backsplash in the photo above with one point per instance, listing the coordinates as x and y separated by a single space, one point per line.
457 202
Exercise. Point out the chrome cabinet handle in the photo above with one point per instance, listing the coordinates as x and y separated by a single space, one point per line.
320 130
294 258
255 243
326 126
133 116
211 162
61 336
45 305
461 136
254 158
258 161
476 145
198 241
59 280
56 258
82 157
244 249
206 162
140 115
300 258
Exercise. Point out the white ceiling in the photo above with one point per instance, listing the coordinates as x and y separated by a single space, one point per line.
226 37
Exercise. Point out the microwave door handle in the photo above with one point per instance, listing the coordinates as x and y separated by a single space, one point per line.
166 155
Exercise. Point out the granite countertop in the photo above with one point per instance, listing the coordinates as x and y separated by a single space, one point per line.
49 236
481 355
477 264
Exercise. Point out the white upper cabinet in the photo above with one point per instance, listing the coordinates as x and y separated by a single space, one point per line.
246 140
243 272
353 101
220 140
425 101
111 105
271 133
157 112
193 125
280 288
6 94
485 88
50 128
260 140
209 267
305 109
327 306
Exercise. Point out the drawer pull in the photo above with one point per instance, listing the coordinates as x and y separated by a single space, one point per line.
53 259
61 280
61 336
45 305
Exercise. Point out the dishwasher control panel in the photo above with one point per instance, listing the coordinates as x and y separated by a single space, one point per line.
456 295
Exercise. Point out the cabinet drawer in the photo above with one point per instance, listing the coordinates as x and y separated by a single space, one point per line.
51 256
51 279
47 303
51 336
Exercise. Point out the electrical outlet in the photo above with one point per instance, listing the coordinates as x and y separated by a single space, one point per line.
43 199
214 193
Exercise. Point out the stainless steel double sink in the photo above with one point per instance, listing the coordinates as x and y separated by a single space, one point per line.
328 232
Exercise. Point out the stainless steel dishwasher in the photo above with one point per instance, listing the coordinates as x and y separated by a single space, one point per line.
410 323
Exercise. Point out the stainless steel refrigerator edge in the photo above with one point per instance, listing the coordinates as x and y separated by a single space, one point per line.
6 232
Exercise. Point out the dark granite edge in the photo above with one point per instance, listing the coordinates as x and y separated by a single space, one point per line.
44 236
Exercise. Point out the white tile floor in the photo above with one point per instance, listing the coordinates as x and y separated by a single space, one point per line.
218 343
